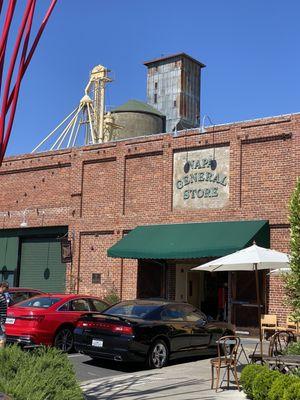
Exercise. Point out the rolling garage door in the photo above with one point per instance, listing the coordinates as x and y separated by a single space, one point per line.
41 266
9 247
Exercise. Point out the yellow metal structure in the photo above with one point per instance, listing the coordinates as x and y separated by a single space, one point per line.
89 117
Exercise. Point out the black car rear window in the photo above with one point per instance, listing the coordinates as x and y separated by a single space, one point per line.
132 310
40 302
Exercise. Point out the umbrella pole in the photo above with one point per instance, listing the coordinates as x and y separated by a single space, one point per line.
259 310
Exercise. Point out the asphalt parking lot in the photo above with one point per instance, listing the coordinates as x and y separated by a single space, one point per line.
88 369
187 379
181 379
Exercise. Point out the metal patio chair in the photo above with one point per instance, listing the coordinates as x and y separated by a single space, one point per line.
227 358
281 342
278 342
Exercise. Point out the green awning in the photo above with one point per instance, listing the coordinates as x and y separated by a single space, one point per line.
191 240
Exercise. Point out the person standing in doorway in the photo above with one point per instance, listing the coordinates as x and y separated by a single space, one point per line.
3 315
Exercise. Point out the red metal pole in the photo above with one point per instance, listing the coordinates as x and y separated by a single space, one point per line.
34 45
1 69
4 36
7 24
12 66
9 100
18 80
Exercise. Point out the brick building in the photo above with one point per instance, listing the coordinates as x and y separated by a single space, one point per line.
96 195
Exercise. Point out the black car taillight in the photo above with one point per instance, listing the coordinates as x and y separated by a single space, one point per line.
107 326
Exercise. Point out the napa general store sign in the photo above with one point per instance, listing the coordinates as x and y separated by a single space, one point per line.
204 183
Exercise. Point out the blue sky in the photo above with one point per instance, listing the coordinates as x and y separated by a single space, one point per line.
251 49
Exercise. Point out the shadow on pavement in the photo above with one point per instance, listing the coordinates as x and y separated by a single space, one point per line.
184 360
135 367
154 384
117 366
125 388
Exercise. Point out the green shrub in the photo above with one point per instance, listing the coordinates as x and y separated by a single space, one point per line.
43 374
279 386
293 348
262 384
292 393
112 297
247 376
296 372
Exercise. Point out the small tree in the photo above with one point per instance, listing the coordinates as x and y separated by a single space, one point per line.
292 280
112 296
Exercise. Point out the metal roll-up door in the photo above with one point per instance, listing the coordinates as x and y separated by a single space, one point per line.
9 250
41 266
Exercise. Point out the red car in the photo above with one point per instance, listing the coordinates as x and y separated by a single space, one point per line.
49 319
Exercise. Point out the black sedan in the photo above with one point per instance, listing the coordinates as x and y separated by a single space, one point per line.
148 330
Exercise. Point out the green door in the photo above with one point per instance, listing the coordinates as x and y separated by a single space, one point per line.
9 248
41 266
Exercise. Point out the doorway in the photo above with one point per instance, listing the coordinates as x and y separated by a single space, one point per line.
151 281
189 284
244 300
215 295
204 290
194 284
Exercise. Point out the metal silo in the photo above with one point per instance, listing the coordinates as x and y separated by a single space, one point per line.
137 119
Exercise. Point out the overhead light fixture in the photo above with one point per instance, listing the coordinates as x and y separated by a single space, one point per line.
24 223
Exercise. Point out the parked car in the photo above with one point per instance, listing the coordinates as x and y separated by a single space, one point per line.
18 294
148 330
49 319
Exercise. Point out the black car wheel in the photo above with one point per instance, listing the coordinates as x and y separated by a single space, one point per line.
64 340
158 355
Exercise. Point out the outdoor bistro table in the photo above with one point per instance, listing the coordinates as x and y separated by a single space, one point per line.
284 364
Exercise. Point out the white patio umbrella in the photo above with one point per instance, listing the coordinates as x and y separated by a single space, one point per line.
279 271
252 258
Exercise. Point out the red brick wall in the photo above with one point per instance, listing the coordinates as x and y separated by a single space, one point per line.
143 184
129 279
103 191
93 259
29 188
267 175
99 192
277 299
